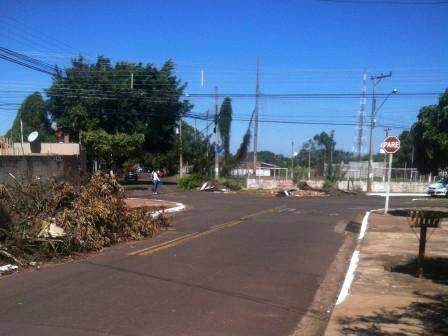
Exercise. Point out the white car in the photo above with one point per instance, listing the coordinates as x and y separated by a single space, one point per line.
439 188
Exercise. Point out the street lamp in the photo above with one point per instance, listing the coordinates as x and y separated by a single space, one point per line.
375 81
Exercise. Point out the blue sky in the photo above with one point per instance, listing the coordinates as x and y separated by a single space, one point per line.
303 47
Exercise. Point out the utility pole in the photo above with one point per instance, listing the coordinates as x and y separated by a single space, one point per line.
181 158
132 80
309 162
21 131
216 135
292 160
257 97
376 79
206 137
386 130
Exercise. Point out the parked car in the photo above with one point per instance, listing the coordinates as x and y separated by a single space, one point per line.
131 175
439 188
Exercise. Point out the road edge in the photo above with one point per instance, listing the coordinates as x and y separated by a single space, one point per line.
316 319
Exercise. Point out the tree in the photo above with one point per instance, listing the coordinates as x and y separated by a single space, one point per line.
403 157
33 113
430 137
326 141
196 149
112 150
129 98
225 124
242 151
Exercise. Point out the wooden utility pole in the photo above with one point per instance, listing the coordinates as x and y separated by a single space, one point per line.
257 97
181 158
216 135
375 79
292 160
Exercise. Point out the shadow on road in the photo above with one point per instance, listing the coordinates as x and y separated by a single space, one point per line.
428 311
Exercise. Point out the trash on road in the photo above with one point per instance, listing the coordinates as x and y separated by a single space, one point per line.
8 269
212 187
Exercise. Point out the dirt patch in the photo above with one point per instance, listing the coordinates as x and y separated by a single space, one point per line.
133 203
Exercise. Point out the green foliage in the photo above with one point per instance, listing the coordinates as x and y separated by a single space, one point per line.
300 173
326 141
33 112
232 183
403 158
225 123
189 181
112 150
196 150
272 158
242 151
87 97
430 137
328 185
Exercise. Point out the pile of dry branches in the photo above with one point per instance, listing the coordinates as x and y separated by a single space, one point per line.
40 221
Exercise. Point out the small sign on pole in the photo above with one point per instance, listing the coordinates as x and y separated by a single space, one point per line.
390 145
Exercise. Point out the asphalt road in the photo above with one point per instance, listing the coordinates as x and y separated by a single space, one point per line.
232 265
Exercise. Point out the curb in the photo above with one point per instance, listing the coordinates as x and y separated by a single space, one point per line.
350 275
383 194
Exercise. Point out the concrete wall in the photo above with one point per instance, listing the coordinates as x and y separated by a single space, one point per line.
29 167
398 187
263 183
45 148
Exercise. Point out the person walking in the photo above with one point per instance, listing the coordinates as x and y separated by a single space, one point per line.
155 181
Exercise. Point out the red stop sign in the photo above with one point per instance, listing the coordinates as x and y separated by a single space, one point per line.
391 144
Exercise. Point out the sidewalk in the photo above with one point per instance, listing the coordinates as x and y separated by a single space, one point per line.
382 302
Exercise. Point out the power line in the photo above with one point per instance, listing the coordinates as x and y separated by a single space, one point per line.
393 2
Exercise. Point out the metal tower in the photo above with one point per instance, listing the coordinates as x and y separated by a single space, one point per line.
362 107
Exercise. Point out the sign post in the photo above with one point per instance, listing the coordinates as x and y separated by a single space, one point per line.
390 145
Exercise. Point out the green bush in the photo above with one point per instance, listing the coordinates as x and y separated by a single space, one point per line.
328 185
232 183
190 181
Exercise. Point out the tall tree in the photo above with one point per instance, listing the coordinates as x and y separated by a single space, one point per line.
225 123
430 137
196 149
403 158
33 113
130 98
326 141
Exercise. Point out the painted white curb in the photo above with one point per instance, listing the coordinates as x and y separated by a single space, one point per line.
350 275
179 207
364 223
397 194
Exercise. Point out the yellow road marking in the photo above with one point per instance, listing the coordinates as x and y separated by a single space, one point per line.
191 236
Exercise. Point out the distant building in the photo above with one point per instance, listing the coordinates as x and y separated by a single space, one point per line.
262 169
